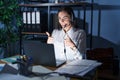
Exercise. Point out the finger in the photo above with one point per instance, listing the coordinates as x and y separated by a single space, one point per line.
68 38
48 34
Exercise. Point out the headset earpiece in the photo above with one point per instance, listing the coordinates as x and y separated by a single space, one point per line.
72 16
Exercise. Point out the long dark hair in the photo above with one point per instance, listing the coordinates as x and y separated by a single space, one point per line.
68 10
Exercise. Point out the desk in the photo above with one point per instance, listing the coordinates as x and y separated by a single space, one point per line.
81 75
79 69
93 77
10 73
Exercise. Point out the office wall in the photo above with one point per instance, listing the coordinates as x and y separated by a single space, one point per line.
106 29
110 17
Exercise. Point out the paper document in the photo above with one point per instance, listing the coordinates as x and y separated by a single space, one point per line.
1 66
20 77
9 68
71 69
83 62
76 67
39 69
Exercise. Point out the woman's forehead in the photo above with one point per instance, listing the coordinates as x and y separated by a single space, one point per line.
63 13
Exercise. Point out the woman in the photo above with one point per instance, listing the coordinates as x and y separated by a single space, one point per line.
69 41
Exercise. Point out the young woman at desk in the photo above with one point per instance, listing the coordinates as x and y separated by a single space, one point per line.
69 40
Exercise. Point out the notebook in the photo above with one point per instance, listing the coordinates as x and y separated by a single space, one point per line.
42 53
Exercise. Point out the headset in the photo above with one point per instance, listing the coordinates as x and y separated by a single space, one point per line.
72 16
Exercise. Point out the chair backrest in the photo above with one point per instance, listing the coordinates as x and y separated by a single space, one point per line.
104 55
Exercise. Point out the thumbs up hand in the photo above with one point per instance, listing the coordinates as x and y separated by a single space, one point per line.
50 39
68 41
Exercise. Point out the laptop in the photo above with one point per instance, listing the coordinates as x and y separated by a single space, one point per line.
41 53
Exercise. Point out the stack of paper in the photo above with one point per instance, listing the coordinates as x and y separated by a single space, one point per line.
1 66
10 59
20 77
78 66
8 68
83 62
7 74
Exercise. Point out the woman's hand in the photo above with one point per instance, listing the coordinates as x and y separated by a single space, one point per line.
50 39
69 42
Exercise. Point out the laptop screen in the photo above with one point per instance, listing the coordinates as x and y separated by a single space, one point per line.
41 53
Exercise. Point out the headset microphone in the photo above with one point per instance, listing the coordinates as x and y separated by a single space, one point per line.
65 25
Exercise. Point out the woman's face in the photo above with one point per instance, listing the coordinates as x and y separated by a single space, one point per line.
64 20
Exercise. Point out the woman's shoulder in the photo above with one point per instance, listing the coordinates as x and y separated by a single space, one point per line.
79 30
56 31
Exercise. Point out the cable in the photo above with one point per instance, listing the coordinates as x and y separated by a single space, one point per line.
65 47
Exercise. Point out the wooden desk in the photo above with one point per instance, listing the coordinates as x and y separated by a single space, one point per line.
2 62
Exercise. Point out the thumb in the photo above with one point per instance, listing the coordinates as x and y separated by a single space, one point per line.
48 34
68 37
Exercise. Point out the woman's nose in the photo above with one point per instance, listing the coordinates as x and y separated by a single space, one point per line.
62 20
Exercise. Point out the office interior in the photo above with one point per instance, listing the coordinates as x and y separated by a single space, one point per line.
101 23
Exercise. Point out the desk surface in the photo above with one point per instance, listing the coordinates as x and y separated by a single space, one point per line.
90 68
74 77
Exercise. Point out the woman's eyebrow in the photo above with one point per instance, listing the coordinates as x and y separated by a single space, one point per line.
65 16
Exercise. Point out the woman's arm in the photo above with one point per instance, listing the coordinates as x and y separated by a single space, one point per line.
81 42
79 47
